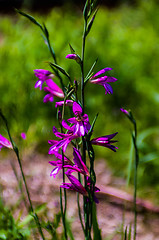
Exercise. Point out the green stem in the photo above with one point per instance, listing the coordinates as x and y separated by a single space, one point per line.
20 184
86 202
63 210
135 179
63 215
79 212
15 148
55 61
82 65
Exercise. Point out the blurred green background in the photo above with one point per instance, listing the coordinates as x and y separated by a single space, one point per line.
125 38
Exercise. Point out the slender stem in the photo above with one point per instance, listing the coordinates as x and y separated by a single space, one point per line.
82 65
63 215
20 184
55 61
63 209
23 177
86 202
79 212
135 179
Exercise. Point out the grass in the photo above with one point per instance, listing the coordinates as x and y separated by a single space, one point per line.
125 39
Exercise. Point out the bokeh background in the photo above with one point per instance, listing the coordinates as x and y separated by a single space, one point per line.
125 36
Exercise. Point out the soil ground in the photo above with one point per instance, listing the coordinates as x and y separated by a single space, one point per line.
45 189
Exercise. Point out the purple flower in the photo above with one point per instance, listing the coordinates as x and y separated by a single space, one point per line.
5 142
79 165
53 90
59 163
124 111
75 185
66 138
81 122
23 135
72 56
105 141
103 80
43 75
61 103
79 162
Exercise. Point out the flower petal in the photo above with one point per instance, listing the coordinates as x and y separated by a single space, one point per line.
101 72
77 110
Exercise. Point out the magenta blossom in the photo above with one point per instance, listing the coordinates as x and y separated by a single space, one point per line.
75 185
61 103
66 138
79 165
53 90
72 56
59 163
81 122
23 135
5 143
124 111
105 141
42 75
104 80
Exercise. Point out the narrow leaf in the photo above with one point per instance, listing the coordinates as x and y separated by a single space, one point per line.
96 230
92 126
149 157
45 31
32 19
59 69
71 49
68 226
86 9
129 235
90 71
91 23
125 235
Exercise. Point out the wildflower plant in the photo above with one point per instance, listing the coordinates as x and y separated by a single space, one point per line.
76 132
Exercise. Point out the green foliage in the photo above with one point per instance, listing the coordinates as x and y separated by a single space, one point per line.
125 39
9 229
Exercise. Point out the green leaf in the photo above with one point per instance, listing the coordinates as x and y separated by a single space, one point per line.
129 235
69 231
96 230
92 126
125 235
90 72
32 19
59 69
29 217
94 5
86 9
45 31
149 157
146 133
90 23
71 49
3 234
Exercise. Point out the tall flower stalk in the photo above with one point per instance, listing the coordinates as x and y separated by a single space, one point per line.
78 172
136 163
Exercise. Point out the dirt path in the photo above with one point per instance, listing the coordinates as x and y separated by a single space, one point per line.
45 189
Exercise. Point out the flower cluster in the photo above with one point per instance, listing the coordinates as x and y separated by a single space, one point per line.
79 127
74 128
52 88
